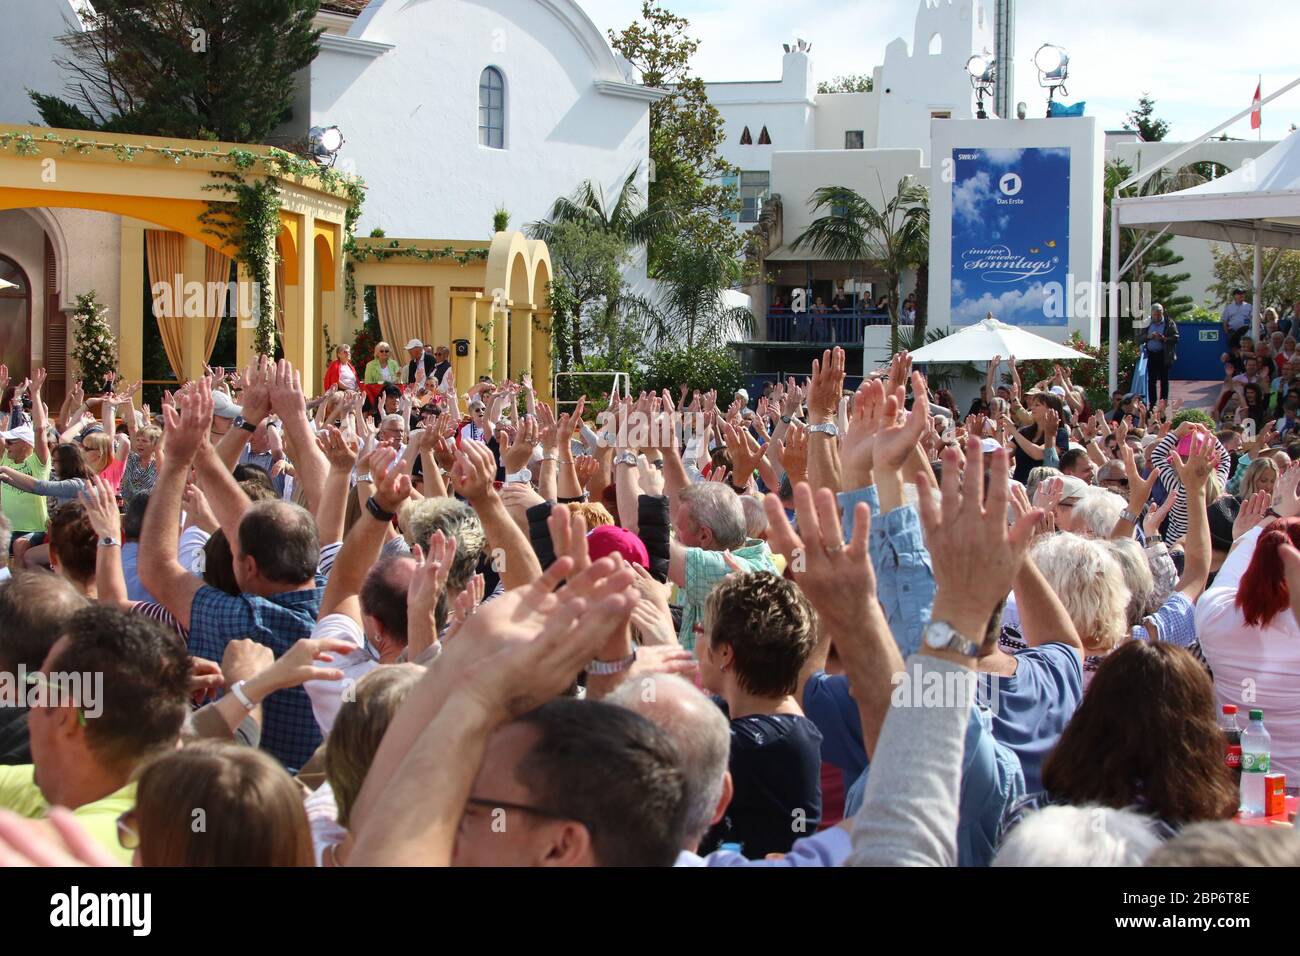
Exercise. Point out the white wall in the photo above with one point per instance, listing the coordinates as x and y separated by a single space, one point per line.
1085 140
874 173
410 115
785 107
839 112
913 84
28 49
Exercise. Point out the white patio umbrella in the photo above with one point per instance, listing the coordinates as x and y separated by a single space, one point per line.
4 284
984 340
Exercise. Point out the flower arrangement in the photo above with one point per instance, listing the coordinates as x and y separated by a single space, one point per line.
95 346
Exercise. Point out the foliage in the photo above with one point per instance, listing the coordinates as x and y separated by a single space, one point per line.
1281 289
1143 119
893 236
191 68
501 219
686 131
702 367
587 289
690 308
848 83
1092 374
251 223
95 347
1195 415
596 388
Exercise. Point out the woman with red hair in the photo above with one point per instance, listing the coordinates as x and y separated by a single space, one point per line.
1248 634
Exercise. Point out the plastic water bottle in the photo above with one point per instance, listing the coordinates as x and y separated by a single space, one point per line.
1255 747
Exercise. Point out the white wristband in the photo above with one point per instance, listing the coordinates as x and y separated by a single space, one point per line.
238 690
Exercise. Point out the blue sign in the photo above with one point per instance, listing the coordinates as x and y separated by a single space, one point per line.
1010 234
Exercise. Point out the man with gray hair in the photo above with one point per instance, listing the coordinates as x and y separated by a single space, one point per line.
709 526
702 735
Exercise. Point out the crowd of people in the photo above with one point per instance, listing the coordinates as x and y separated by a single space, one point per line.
408 623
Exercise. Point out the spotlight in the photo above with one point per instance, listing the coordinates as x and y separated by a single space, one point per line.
1053 65
324 143
1021 110
983 70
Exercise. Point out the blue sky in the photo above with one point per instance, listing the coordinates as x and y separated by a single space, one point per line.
1198 58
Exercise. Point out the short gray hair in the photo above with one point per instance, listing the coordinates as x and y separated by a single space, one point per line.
1225 843
1137 575
713 505
1097 511
698 729
1088 580
455 519
1079 836
755 516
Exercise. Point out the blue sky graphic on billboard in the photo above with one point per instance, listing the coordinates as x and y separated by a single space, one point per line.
1010 233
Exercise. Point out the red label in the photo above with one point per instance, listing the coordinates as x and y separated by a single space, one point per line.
1234 757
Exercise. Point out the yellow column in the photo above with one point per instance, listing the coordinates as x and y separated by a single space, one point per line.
130 315
521 341
441 330
500 319
487 340
299 302
462 327
246 315
193 297
542 355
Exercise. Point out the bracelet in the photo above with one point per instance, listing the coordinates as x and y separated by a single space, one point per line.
550 458
1128 516
238 690
1154 539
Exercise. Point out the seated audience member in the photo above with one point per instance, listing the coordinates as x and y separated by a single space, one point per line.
252 811
1227 843
1080 836
757 635
118 691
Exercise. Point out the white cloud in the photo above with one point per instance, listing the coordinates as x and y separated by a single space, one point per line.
1015 307
1002 157
969 195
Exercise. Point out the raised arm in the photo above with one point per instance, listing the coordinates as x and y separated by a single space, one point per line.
472 477
289 403
823 404
39 418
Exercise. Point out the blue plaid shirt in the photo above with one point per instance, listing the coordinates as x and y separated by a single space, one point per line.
290 732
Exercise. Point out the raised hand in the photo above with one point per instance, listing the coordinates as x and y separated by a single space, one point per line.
1155 516
899 430
793 452
745 450
429 579
391 485
188 424
1139 488
586 468
474 471
1253 512
100 503
827 385
518 452
287 398
332 443
1288 492
465 604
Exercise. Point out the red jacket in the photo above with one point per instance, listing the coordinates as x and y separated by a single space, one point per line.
332 374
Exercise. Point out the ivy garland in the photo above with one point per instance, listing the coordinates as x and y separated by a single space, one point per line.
395 250
250 221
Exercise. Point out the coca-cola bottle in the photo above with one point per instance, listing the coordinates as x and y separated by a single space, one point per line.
1232 734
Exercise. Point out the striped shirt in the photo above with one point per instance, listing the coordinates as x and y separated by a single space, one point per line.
1176 525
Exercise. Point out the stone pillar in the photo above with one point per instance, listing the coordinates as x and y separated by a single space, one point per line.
130 319
191 308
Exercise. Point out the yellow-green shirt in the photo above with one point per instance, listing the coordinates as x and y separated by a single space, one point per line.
19 793
26 512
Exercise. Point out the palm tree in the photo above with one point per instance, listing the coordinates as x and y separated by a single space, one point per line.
690 306
854 229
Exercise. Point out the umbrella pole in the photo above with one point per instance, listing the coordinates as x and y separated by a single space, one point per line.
1113 295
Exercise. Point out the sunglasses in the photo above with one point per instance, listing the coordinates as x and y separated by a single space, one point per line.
127 834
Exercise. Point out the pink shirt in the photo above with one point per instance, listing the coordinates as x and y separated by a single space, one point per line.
113 474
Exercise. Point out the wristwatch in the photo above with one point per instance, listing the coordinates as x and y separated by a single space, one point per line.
107 542
625 458
523 475
606 668
787 419
825 428
1129 516
941 636
245 425
379 513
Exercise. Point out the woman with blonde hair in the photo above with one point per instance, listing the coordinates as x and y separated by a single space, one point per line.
383 368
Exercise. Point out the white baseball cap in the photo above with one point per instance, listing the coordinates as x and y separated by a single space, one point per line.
414 344
741 393
224 407
1073 488
989 445
22 433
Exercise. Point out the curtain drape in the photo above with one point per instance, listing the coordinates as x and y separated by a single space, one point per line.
279 299
165 253
405 313
216 275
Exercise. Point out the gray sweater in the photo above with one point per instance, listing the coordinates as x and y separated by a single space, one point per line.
909 811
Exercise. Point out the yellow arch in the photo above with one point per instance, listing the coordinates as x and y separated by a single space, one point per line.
179 215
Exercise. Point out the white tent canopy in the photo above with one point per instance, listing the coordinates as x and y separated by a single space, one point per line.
985 340
1260 202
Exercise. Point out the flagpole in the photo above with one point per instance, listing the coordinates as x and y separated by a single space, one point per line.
1259 87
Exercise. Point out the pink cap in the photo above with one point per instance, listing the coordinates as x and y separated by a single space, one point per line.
609 539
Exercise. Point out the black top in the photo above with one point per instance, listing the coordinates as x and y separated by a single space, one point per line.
776 769
1025 464
15 744
440 369
429 366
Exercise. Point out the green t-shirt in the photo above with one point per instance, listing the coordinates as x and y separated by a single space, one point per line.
19 793
26 512
704 569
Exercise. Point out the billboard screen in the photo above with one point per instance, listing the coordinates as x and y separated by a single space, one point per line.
1010 234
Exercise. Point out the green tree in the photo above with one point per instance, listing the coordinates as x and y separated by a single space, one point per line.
199 69
588 293
686 131
848 83
1143 119
1281 287
892 236
702 367
690 307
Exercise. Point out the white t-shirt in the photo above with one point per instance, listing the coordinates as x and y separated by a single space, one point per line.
348 378
327 695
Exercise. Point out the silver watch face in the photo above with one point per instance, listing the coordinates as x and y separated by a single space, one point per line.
938 635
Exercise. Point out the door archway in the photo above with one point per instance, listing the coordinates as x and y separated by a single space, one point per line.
15 319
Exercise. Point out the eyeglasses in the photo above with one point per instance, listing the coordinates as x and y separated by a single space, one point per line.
37 679
521 808
127 834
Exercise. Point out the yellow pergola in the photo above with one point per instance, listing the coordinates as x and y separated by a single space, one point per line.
490 301
156 183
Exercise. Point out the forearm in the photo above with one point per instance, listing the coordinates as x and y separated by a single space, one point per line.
231 446
110 583
521 566
227 499
310 464
823 462
434 486
627 487
1196 545
332 513
360 551
870 656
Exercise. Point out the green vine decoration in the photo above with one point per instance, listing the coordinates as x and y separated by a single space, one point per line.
249 221
395 250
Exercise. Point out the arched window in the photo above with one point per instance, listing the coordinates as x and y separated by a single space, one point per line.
936 44
15 319
764 139
492 109
746 139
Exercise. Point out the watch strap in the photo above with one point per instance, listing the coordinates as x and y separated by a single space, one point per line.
247 425
523 475
237 689
379 513
605 668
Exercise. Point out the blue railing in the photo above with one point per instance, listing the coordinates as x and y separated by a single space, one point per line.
844 326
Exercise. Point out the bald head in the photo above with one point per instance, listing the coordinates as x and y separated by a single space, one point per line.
698 729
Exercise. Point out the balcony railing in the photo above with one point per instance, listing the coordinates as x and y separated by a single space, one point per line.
844 326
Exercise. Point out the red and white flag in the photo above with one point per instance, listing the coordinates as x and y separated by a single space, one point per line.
1255 113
